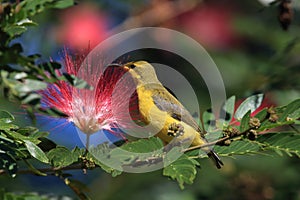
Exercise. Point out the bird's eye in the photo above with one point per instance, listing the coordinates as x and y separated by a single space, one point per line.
132 66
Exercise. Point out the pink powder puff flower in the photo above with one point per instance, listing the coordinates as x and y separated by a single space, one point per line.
89 110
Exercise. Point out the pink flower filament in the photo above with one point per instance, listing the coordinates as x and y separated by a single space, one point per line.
89 110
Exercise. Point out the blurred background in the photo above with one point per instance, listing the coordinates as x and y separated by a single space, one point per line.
250 48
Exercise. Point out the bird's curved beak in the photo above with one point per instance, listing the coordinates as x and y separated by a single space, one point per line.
118 65
114 65
126 67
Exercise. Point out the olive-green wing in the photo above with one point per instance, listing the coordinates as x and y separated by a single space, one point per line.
165 101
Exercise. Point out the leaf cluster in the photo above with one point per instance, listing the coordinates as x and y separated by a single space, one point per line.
22 76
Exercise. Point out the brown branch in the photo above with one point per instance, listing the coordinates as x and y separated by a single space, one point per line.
207 144
220 140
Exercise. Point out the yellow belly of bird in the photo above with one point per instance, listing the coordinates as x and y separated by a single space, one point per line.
161 121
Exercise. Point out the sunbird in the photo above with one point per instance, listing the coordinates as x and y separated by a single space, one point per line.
161 109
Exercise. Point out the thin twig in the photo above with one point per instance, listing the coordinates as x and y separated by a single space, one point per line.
207 144
87 144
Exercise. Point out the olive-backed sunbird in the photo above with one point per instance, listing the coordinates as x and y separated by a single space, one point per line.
158 107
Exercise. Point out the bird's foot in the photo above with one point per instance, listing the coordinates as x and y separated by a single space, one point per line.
175 130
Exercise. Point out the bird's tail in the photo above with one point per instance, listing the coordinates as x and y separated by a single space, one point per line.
215 158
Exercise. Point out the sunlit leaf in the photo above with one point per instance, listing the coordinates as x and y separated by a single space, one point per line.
15 30
30 85
36 151
32 99
251 103
6 117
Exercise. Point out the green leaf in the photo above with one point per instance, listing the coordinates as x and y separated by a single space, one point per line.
291 109
228 110
31 8
251 103
102 154
239 147
294 115
19 27
7 127
26 22
19 75
30 85
32 99
19 137
14 30
269 125
286 115
36 152
31 132
278 142
5 139
60 4
281 142
262 114
132 155
77 152
144 145
183 170
33 169
245 122
61 157
112 171
6 117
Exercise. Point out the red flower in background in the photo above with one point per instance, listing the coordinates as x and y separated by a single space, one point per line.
82 25
266 103
211 25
